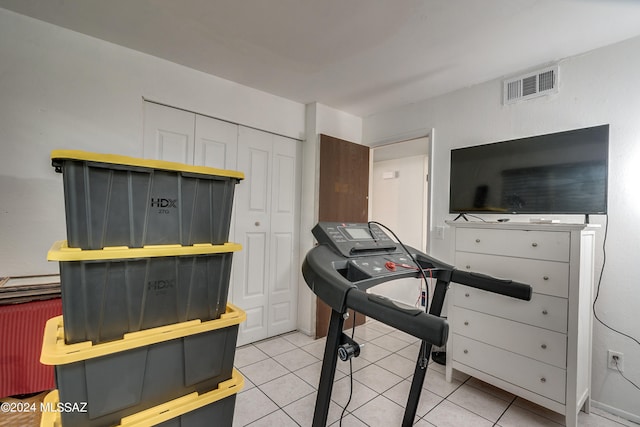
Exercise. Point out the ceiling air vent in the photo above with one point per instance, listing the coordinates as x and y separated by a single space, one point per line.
531 85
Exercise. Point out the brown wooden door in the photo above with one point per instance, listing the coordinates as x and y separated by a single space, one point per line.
344 193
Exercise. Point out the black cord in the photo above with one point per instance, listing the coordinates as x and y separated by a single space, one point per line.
595 300
604 261
424 357
465 215
353 330
424 276
620 372
476 217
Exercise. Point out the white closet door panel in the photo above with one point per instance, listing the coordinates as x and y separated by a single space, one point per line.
255 285
253 328
284 236
285 173
281 306
251 266
216 143
282 290
253 295
168 134
259 166
282 248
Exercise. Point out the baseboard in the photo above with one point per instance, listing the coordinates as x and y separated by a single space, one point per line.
615 411
306 332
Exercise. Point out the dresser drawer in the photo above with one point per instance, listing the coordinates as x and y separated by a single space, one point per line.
541 378
543 310
546 245
545 277
538 343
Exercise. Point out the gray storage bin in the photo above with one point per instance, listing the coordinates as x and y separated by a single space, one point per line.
107 293
218 414
145 369
113 200
215 407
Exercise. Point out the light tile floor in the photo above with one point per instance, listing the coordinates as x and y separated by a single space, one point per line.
282 373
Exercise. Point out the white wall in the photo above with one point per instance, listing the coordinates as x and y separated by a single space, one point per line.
595 88
61 89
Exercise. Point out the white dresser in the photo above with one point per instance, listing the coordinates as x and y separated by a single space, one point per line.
539 350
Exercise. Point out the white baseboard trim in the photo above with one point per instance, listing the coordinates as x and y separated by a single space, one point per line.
615 411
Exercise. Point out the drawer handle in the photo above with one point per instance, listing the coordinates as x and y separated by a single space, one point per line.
257 223
545 278
465 351
468 267
467 295
544 346
466 323
477 240
545 312
543 380
534 244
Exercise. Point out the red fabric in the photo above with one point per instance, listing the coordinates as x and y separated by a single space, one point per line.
21 329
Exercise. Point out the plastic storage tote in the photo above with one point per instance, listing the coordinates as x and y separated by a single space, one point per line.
192 410
145 369
109 292
113 200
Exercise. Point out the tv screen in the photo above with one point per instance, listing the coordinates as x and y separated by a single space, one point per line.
558 173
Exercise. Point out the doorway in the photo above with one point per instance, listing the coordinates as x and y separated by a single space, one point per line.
399 200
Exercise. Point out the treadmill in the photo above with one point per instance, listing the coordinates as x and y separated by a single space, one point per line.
351 258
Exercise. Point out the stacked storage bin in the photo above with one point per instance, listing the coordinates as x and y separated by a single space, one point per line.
146 335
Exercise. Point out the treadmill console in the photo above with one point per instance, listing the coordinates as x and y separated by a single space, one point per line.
352 240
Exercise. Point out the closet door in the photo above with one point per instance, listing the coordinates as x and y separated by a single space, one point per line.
266 270
264 280
168 133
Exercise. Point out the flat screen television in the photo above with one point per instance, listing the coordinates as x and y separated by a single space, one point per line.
558 173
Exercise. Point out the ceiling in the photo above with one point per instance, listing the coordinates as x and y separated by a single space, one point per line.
358 56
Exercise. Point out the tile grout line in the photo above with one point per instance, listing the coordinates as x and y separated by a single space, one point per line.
505 411
445 398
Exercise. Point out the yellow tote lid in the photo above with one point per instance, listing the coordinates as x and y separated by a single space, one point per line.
157 414
61 252
56 352
117 159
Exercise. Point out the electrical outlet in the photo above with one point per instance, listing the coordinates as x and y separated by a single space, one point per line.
440 232
614 360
